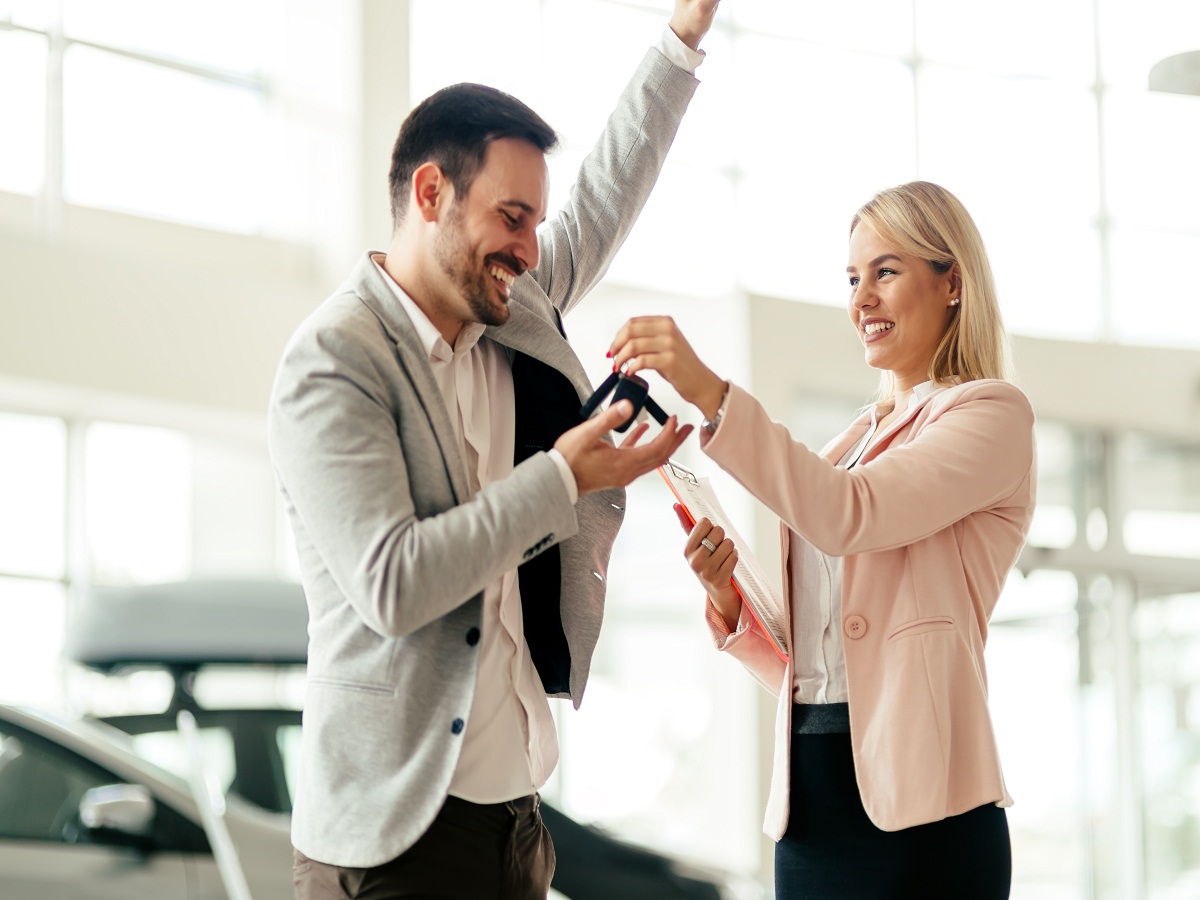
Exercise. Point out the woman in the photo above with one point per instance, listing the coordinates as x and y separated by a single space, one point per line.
897 539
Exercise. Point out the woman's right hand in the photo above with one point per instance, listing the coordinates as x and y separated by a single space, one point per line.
713 568
655 342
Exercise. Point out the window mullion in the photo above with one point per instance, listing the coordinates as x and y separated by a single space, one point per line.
50 205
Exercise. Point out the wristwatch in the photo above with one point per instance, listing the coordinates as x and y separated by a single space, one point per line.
709 426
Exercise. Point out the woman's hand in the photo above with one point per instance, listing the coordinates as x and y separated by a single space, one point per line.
714 568
655 342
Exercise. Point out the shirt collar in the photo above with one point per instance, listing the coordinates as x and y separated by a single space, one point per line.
919 393
431 339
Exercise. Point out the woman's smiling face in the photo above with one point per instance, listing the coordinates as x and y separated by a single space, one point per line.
899 305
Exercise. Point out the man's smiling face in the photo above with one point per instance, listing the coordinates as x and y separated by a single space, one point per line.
488 238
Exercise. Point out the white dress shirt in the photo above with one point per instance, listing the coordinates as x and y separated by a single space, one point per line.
510 746
815 586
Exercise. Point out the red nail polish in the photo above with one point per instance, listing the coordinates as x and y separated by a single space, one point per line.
608 355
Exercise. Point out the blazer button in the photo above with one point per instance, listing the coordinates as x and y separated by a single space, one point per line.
456 726
473 636
855 627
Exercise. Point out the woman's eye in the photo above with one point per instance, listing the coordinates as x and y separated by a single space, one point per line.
883 272
854 281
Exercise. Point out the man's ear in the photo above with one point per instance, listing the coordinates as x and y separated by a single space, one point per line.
432 191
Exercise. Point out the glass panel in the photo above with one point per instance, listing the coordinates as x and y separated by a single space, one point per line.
175 147
287 738
811 160
234 35
40 790
31 639
1021 155
1103 644
877 26
29 13
671 248
1168 632
1143 311
1029 37
250 687
647 790
492 43
1134 36
33 495
234 502
169 750
1162 533
103 694
1054 520
1151 142
23 112
138 504
1036 713
586 86
1160 484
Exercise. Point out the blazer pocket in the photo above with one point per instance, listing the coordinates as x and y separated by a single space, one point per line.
354 686
922 626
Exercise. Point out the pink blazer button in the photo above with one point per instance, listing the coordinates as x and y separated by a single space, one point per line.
855 627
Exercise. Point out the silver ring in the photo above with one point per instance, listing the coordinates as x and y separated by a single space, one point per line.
712 548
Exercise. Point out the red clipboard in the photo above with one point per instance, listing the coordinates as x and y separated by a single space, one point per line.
765 606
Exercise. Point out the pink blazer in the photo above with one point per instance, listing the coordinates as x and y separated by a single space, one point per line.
929 523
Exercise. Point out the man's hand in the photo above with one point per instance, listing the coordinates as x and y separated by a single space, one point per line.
598 465
692 19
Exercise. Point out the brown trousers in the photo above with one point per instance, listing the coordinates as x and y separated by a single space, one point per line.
472 851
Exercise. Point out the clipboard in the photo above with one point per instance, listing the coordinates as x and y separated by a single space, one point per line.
696 496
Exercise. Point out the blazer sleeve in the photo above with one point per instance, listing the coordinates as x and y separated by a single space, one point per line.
335 437
969 452
748 645
613 182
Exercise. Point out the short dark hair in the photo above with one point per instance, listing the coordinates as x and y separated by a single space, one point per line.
453 128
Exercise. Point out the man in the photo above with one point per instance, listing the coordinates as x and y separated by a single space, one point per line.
453 515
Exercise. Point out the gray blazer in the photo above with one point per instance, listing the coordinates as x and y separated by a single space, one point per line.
394 555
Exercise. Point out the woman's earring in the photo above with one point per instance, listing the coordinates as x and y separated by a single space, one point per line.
954 302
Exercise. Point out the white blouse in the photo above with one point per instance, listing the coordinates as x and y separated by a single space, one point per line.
815 588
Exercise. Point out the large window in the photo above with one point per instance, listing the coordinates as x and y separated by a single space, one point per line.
1091 660
1038 117
87 502
224 115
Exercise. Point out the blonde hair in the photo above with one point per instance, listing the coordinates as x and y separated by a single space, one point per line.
925 220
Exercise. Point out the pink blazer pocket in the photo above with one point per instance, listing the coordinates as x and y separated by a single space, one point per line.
922 626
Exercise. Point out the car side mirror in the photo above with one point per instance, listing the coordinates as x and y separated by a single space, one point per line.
121 809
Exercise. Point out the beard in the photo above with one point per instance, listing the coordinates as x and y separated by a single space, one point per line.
456 257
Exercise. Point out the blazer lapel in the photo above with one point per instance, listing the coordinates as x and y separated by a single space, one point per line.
369 284
837 447
531 334
880 441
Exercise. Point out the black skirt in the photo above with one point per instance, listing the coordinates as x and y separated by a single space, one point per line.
831 850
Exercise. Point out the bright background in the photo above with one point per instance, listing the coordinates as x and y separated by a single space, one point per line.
180 184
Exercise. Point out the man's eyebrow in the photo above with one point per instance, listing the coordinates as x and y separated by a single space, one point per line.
519 204
876 261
